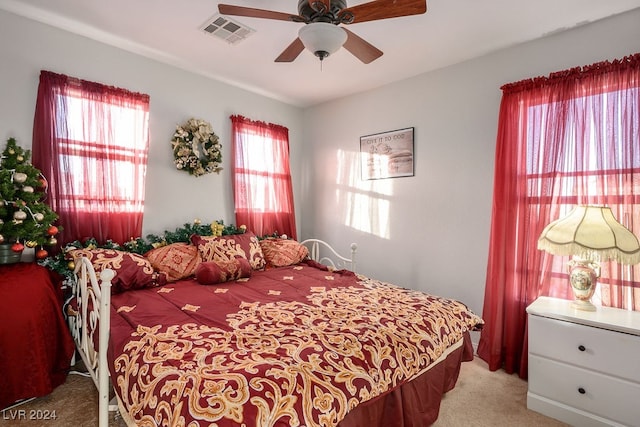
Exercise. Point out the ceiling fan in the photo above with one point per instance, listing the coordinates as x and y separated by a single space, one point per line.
322 34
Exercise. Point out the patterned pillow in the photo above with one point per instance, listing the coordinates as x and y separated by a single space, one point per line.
225 248
283 252
133 271
177 260
212 272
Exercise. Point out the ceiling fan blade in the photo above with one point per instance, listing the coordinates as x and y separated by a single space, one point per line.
228 9
360 48
383 9
291 52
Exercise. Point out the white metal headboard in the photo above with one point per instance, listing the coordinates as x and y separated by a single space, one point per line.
334 259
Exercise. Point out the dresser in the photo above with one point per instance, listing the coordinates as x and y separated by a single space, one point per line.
584 367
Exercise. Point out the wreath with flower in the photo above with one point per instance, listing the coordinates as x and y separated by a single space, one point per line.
196 148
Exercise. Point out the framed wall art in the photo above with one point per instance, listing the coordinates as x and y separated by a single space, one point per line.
387 154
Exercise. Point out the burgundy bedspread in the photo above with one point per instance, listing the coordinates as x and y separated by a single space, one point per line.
293 346
35 344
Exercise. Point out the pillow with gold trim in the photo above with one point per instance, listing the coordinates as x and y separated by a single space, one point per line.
283 252
213 272
225 248
133 271
177 260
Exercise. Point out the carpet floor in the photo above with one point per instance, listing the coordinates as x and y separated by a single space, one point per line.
481 398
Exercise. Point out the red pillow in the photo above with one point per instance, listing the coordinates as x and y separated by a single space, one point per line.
212 272
283 252
225 248
133 271
177 260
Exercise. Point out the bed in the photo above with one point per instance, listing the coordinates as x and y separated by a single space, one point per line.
35 344
236 331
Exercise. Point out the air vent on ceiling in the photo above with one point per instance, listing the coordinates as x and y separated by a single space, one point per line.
227 29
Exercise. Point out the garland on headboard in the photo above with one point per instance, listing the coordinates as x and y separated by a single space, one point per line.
60 264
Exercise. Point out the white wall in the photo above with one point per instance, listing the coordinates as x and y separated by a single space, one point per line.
428 232
172 197
431 231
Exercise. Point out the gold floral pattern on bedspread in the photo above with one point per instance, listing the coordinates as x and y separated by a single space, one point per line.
288 363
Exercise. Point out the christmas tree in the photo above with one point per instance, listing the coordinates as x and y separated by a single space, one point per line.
25 218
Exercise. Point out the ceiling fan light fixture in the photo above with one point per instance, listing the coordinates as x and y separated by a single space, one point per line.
322 38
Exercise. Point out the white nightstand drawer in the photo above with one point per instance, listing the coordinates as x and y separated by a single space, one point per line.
608 397
585 346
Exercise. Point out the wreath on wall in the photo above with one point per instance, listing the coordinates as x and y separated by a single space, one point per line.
196 148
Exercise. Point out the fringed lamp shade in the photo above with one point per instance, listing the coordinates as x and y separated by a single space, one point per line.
591 234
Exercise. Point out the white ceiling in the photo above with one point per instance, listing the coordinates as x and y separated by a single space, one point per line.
450 31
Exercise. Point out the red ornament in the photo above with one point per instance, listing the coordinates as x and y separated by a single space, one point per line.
52 231
17 247
42 254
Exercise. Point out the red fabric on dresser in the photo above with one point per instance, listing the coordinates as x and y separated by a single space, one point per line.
35 344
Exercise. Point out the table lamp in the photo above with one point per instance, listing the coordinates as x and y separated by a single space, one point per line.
590 234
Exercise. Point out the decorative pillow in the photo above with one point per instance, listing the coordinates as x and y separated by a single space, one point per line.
133 271
212 272
177 260
283 252
225 248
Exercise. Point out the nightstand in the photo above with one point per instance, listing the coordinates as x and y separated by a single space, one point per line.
584 367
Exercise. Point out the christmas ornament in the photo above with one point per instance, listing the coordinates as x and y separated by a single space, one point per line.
27 189
53 241
71 265
17 247
52 231
31 243
42 254
20 215
19 177
38 216
1 238
20 159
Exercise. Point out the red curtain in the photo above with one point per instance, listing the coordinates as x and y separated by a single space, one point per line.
263 193
91 142
570 138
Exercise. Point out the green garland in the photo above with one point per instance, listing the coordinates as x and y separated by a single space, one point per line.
60 263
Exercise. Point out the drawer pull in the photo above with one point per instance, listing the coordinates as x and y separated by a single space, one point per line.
581 348
581 390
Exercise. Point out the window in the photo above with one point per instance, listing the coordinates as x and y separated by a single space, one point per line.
566 139
92 141
262 179
595 164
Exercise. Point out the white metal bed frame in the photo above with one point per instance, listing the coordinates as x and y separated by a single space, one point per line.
318 247
93 297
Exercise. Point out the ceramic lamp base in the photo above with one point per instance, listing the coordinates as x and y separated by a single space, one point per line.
583 305
583 278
